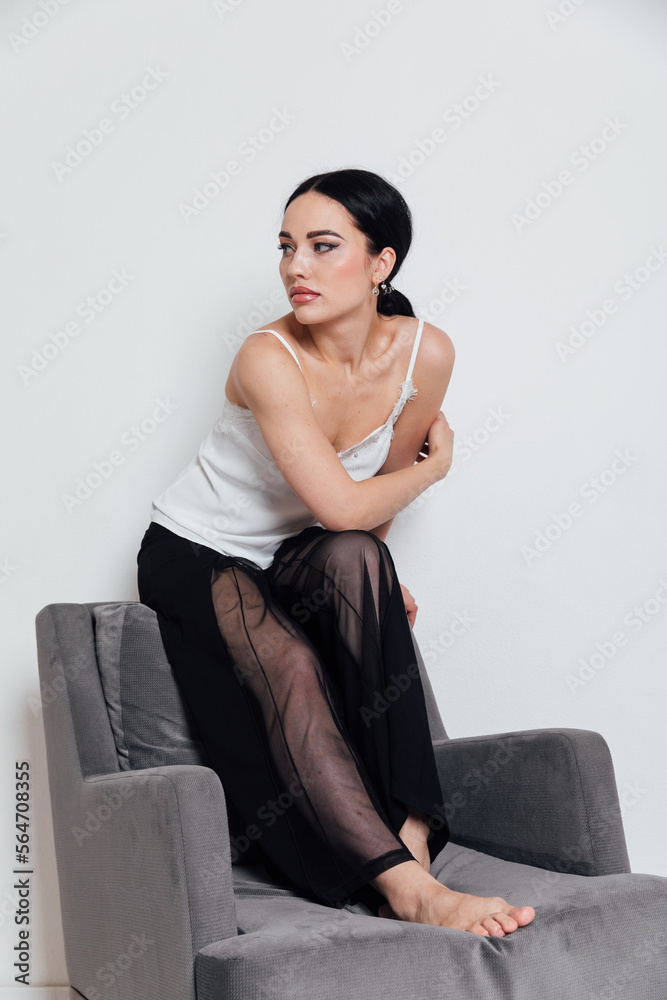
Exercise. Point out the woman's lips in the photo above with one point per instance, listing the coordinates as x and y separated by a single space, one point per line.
305 296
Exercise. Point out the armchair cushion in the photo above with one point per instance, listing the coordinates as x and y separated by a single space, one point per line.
151 724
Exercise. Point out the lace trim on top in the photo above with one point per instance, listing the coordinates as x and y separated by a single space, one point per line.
408 391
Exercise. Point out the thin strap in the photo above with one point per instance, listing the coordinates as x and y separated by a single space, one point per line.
286 345
415 348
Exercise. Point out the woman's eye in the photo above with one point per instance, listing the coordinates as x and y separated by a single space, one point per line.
329 246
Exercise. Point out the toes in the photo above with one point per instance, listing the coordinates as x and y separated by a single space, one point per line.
523 915
478 929
507 922
493 926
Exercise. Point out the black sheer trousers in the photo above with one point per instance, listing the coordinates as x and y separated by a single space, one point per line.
304 688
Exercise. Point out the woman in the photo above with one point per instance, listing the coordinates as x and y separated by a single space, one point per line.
276 594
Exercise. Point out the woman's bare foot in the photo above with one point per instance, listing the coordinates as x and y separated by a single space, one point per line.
414 834
415 896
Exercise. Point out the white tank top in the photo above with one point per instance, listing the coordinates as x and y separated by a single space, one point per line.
233 498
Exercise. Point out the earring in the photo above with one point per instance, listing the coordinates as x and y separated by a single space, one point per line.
375 289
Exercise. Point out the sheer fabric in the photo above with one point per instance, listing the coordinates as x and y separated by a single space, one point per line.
303 684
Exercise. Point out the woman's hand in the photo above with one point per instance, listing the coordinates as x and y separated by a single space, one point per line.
410 605
439 444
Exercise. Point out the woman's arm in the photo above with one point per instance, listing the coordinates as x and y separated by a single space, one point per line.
272 386
432 374
382 530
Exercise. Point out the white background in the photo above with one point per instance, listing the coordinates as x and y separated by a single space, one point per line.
364 98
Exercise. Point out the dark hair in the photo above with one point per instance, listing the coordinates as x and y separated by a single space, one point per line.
380 213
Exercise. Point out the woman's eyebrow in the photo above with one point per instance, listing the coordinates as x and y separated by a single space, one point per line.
315 232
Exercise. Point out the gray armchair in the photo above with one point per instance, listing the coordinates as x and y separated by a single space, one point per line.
154 909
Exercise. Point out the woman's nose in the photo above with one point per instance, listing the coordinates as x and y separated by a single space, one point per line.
298 265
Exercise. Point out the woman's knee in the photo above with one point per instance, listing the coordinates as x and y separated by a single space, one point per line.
346 544
344 551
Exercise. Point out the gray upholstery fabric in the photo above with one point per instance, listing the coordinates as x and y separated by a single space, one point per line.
500 789
592 938
143 856
435 723
67 654
144 864
151 724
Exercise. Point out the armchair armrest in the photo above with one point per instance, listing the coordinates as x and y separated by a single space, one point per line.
146 879
542 797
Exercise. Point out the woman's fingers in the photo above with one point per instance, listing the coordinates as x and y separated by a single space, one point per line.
410 604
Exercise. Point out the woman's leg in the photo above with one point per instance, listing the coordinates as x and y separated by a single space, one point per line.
270 720
239 707
343 589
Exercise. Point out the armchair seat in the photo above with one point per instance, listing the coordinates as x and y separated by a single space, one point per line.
583 942
154 909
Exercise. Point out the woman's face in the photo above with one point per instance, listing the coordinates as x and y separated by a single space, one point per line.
322 250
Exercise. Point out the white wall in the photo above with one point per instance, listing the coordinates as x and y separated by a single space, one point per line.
553 83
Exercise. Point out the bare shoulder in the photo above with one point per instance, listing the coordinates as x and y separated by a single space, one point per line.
436 347
434 362
261 365
262 343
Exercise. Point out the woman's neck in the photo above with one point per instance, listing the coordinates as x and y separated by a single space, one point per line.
347 342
